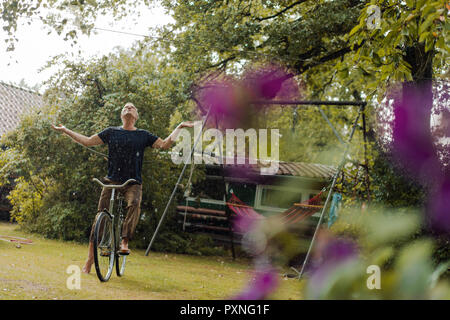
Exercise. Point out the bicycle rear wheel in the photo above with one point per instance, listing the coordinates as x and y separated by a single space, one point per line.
120 264
120 259
104 246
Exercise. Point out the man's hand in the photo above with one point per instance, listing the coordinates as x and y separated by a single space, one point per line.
186 124
85 141
167 142
60 129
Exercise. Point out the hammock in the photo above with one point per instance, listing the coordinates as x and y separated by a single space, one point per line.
295 214
16 239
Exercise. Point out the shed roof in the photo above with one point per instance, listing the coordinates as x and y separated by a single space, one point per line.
306 170
314 171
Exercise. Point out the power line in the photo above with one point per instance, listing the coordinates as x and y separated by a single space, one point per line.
109 30
126 33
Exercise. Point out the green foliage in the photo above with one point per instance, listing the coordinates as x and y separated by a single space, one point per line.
327 44
187 243
296 33
26 200
87 98
400 192
386 50
8 160
66 221
391 241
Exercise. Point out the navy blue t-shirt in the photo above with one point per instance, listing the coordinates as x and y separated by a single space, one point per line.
126 152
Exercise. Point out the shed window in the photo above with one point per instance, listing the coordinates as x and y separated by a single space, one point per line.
279 198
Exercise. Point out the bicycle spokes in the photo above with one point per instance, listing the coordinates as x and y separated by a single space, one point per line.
104 247
105 240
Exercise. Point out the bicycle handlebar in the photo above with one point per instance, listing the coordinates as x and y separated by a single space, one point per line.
112 186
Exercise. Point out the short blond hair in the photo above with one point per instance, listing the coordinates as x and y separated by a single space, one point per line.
130 104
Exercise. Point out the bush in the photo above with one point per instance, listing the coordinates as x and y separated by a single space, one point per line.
58 222
26 201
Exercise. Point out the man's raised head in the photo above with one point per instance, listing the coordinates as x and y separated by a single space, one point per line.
129 110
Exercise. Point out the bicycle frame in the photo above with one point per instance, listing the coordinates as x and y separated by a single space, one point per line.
111 213
116 229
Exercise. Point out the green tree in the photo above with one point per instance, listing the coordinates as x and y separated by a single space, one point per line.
88 98
333 51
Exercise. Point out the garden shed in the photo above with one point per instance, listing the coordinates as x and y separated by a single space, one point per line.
204 211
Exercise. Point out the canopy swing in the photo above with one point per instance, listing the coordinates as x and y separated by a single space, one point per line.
297 212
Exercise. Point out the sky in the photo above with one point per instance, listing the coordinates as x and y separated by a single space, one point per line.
35 47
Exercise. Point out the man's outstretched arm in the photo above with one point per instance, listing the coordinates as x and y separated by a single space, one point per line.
85 141
167 142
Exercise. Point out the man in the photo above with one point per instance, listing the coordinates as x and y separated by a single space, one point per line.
126 146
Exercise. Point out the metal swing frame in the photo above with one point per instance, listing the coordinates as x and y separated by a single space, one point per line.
318 104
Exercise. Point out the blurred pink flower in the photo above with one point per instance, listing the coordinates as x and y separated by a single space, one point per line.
439 207
413 143
268 82
264 278
244 223
225 102
230 100
330 253
414 147
263 283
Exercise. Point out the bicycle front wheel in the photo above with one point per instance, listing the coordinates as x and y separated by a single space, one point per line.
104 246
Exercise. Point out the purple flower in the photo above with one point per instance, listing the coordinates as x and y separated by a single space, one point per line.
439 207
243 223
415 148
271 81
262 284
230 100
339 250
225 102
264 278
329 254
413 143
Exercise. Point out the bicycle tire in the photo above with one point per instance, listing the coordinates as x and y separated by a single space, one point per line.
104 246
120 264
120 259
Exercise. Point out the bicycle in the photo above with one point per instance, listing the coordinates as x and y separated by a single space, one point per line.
107 238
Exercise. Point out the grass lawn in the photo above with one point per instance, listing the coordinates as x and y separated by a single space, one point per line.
38 271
